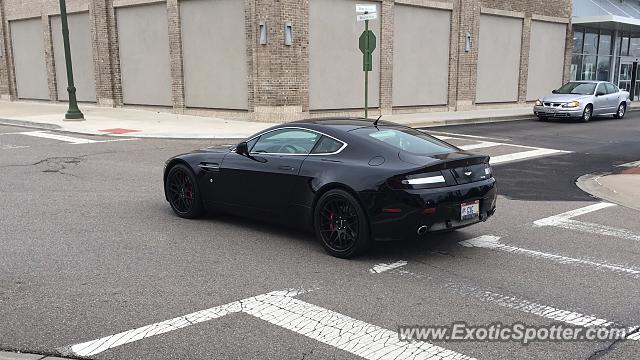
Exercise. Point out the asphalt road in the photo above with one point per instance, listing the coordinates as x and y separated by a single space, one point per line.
90 248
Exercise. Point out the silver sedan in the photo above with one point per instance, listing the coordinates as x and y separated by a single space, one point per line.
583 100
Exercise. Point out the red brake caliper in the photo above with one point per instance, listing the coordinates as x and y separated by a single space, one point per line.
331 224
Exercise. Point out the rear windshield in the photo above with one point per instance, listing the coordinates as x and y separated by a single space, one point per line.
577 88
406 139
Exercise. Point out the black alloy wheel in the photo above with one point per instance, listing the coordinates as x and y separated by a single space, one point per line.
183 193
341 225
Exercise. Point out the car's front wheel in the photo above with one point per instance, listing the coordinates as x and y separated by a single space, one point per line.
622 109
183 193
587 114
340 224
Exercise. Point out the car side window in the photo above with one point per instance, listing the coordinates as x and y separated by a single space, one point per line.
611 88
601 89
286 141
327 145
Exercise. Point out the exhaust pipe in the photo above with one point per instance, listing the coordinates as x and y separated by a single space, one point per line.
423 229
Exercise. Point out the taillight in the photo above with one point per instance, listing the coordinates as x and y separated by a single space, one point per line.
418 181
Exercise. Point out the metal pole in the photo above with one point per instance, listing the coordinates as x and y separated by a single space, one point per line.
73 113
366 73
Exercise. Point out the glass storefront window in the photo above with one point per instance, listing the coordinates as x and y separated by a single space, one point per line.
578 39
605 43
604 68
624 46
588 69
576 62
590 43
634 48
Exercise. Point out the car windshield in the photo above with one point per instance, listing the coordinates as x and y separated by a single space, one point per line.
406 139
577 88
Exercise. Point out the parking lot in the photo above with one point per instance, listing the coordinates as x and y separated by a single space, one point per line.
95 264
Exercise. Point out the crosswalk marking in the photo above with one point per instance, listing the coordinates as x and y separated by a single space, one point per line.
379 268
282 309
484 144
493 243
47 135
565 220
500 159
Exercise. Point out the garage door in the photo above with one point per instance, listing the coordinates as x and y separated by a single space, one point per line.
420 63
498 59
215 53
336 79
27 41
143 40
546 58
81 54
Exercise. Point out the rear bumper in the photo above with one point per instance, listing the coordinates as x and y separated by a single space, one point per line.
542 111
412 203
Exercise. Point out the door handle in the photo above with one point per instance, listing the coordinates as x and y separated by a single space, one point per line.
287 168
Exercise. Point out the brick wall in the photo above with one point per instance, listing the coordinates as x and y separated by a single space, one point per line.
278 75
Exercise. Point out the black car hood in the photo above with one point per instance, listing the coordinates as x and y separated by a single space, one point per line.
443 161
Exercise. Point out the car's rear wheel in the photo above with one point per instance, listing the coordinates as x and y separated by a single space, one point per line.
183 193
587 114
341 225
622 109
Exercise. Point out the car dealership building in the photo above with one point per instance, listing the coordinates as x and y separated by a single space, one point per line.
277 60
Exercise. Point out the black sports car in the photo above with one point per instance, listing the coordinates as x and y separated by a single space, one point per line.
350 180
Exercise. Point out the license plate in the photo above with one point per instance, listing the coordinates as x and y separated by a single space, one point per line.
551 110
470 210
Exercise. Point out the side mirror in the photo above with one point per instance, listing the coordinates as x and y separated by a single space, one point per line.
242 149
554 91
600 93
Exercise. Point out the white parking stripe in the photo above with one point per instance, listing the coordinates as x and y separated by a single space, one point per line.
495 160
565 221
493 243
379 268
69 139
431 132
281 309
484 144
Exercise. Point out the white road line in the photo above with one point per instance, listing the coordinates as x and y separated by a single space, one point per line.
281 309
565 221
46 135
528 307
630 164
431 132
379 268
481 145
525 155
10 147
493 243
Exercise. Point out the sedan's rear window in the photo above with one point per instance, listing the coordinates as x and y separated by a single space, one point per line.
406 139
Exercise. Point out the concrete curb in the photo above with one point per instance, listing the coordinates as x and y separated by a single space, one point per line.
590 183
10 355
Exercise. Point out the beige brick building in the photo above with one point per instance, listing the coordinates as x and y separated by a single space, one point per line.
231 57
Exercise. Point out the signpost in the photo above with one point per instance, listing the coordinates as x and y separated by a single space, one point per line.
367 44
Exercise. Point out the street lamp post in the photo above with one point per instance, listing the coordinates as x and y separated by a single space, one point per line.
73 113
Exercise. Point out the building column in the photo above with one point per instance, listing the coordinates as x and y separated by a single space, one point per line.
48 58
524 59
279 83
454 47
467 64
175 55
568 54
6 85
386 57
106 60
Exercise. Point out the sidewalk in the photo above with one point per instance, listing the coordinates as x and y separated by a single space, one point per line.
164 124
621 187
8 355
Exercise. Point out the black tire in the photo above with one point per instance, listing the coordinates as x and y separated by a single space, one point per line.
183 192
622 110
341 225
587 114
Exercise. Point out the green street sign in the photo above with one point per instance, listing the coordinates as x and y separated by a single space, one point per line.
367 41
367 44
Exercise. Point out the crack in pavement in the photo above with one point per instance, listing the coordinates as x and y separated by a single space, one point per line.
601 352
